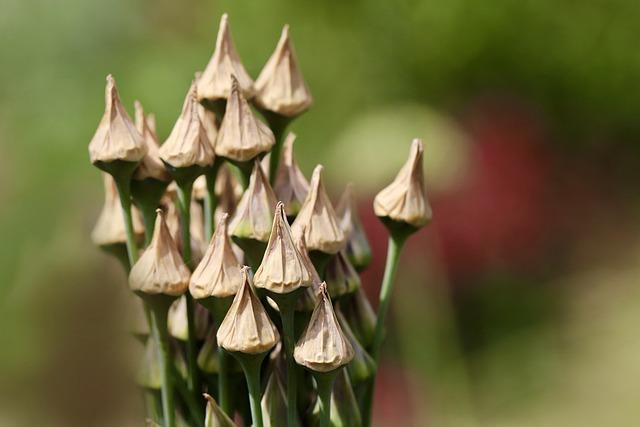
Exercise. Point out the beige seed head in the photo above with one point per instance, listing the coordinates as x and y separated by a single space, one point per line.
404 200
317 220
150 166
323 346
160 269
281 87
116 137
291 186
242 136
215 417
247 327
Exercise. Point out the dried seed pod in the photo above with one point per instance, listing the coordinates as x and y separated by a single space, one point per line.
209 123
150 166
345 411
361 317
323 346
404 200
215 417
215 82
116 138
291 187
317 220
247 327
340 276
283 269
362 367
177 320
188 144
281 88
254 215
160 269
241 136
218 274
357 249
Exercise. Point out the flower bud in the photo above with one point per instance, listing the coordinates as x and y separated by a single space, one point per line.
160 269
178 324
290 186
218 274
151 166
404 200
215 82
241 136
188 144
361 317
362 366
116 138
345 411
247 327
282 269
281 88
323 346
215 417
317 220
340 276
357 249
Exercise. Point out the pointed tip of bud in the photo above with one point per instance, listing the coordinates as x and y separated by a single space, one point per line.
285 31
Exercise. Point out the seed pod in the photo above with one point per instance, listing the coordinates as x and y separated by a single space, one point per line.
116 138
361 317
291 187
282 269
362 367
323 346
247 327
188 144
241 136
218 274
215 417
404 200
160 269
317 220
281 88
215 81
178 324
357 249
341 277
151 166
344 405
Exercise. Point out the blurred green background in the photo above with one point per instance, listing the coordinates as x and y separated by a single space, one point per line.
518 306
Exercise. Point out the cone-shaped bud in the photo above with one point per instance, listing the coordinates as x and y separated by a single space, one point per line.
317 220
340 276
274 402
404 200
280 87
323 346
109 229
291 186
357 249
215 417
254 215
218 274
151 166
178 324
160 269
361 317
308 300
188 144
116 137
247 327
362 366
209 123
344 405
283 270
215 81
242 136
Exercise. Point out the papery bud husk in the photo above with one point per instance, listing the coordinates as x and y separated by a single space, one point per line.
151 166
215 417
323 346
109 229
404 200
242 136
178 324
116 139
160 269
291 187
362 367
358 312
280 87
188 145
218 275
357 249
283 270
317 220
247 327
345 411
340 276
215 82
274 402
196 229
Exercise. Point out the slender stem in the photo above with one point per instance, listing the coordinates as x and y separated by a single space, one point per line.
393 255
210 204
149 218
195 409
159 330
124 192
324 385
287 313
224 390
278 125
251 364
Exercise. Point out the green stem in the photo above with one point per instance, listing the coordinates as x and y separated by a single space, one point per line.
197 414
324 386
278 125
224 390
159 330
149 218
211 200
251 364
393 255
123 185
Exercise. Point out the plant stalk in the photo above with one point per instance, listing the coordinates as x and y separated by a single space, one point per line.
160 333
324 386
251 364
123 185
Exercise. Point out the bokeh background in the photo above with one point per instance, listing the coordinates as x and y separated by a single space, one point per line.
517 306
